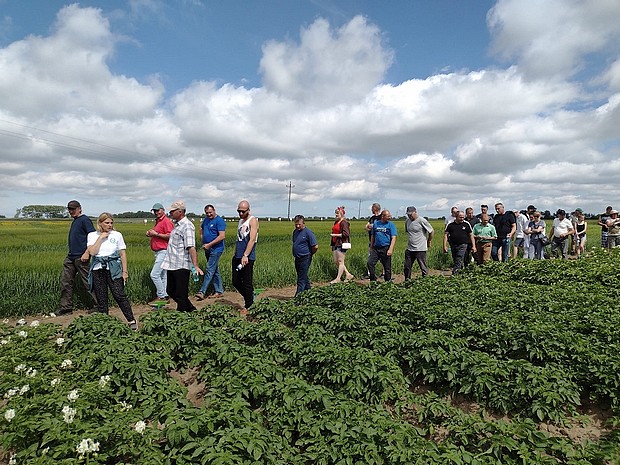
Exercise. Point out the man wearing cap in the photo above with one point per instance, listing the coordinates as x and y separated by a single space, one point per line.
419 237
613 230
180 257
160 234
77 259
561 229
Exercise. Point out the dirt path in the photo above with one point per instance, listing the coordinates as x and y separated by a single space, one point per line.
231 298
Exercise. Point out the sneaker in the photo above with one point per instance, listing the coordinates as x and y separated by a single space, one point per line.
159 301
217 295
200 296
64 311
243 313
133 325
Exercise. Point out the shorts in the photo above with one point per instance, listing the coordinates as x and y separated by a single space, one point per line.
339 248
519 242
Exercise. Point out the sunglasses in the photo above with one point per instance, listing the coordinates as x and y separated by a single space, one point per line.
241 211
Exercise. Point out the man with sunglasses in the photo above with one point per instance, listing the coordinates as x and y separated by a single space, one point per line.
77 260
245 255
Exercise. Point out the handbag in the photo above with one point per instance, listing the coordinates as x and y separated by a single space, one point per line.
346 245
544 240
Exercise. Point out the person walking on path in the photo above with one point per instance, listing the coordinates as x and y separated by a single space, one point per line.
180 257
76 261
459 235
305 246
109 267
159 234
382 246
484 235
213 234
560 231
419 237
245 255
340 243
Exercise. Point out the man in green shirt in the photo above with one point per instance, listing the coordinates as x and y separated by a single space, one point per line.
484 233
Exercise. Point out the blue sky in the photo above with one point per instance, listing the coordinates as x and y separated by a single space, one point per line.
121 104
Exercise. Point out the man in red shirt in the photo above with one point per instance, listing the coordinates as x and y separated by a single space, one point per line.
159 243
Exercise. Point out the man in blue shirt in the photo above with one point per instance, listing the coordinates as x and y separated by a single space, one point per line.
77 260
213 235
305 246
382 245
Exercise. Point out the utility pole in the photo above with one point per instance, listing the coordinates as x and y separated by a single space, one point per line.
290 188
359 208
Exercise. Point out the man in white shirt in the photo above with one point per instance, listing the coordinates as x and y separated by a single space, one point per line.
560 231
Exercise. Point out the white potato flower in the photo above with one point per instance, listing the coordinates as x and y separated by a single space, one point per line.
66 363
55 382
140 426
10 393
20 367
103 381
34 323
31 372
68 413
73 395
86 446
24 389
23 334
20 322
9 414
60 341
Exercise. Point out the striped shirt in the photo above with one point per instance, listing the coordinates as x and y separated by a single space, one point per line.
182 237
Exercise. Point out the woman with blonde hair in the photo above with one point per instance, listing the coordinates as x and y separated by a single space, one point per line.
109 267
340 243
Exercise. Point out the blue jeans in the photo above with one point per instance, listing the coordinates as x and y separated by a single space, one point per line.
302 265
159 276
212 272
504 243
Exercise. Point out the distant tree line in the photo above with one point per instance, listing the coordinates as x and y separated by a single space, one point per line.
42 211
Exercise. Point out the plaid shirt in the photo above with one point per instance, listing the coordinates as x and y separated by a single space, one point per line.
182 237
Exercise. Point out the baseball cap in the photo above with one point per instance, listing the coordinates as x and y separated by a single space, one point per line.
157 206
74 204
560 212
578 210
178 205
411 209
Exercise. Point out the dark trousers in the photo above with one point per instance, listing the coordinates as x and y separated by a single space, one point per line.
70 268
302 265
177 287
102 280
243 280
380 254
420 257
458 257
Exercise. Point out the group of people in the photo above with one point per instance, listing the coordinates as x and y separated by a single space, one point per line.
173 242
468 237
490 236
